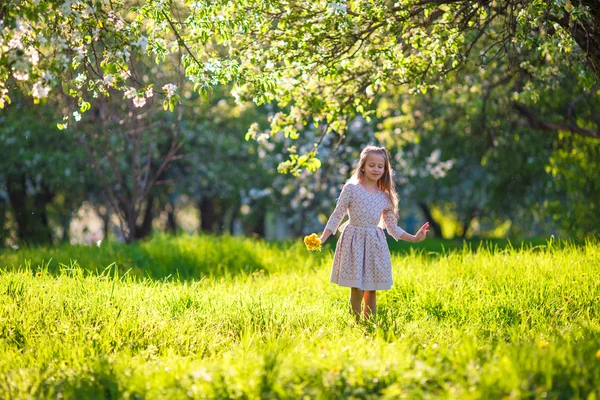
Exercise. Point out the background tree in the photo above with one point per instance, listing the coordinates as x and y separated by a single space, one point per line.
42 173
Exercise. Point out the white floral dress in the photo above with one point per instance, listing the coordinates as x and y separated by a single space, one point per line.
362 257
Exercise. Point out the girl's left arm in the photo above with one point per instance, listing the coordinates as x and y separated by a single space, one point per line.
391 224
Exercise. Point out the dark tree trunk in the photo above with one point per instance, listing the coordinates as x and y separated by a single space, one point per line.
212 215
207 215
260 225
105 217
66 226
3 231
234 215
30 212
171 221
433 224
472 213
145 229
223 217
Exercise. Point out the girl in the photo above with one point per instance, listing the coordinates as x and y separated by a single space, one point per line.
362 258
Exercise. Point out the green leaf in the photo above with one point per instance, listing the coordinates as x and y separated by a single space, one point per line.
569 7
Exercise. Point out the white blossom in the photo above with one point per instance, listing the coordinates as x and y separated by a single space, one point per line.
77 116
170 89
21 70
40 91
336 7
109 80
80 80
33 55
130 93
124 74
142 43
212 65
125 54
81 52
139 101
65 8
149 92
88 11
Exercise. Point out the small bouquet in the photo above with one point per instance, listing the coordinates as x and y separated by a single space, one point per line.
312 242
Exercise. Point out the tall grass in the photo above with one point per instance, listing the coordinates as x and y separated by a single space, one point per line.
207 317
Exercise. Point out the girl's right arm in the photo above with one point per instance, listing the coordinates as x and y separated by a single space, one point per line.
338 214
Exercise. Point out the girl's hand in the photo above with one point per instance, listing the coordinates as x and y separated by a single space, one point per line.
325 235
422 232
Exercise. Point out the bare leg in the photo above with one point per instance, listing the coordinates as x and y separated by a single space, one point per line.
370 297
356 296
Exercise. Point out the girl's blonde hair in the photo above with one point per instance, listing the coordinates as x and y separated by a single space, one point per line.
385 183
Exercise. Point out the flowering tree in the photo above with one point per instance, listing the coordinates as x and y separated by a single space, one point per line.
323 62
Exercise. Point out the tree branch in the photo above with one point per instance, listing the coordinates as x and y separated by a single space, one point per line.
537 123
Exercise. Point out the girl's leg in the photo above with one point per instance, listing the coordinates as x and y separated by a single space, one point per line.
356 296
370 303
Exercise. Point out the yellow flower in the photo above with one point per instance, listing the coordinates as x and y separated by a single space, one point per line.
598 354
543 344
312 242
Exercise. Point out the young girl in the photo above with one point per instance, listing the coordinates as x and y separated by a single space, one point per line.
362 258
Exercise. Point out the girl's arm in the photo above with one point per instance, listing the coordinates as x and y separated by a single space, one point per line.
338 214
418 237
325 235
391 224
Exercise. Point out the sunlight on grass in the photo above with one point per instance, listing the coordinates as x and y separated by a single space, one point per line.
234 318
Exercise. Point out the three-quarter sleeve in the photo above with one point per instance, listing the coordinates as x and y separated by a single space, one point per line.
391 224
340 209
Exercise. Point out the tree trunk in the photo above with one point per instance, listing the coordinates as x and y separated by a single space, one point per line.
3 231
145 229
30 213
105 217
171 221
260 225
234 215
437 229
207 215
472 213
66 226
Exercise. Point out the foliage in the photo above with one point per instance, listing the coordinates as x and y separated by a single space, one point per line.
573 168
457 324
43 174
278 50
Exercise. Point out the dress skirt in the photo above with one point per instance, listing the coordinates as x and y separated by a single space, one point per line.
362 259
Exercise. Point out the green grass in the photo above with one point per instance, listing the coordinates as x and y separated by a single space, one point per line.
208 317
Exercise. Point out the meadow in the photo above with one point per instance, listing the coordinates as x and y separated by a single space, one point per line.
223 317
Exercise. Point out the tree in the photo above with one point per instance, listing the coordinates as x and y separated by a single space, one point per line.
284 51
42 173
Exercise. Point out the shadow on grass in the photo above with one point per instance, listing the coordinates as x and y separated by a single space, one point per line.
167 257
196 257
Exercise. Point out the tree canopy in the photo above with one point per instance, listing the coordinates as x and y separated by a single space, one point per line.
323 62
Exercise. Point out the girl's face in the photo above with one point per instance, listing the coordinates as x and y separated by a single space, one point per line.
374 167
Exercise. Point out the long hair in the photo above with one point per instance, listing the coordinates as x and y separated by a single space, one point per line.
385 183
